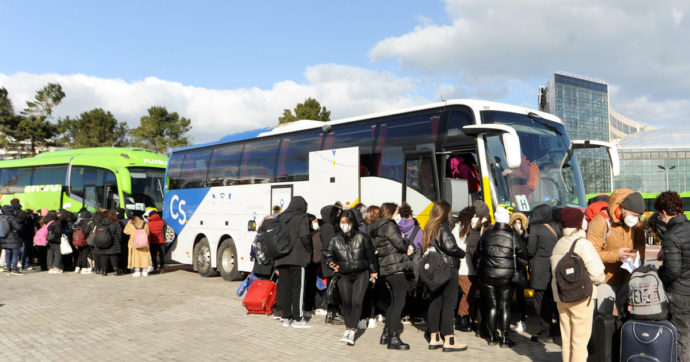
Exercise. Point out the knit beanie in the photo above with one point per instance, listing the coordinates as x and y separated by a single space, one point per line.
501 215
571 217
634 203
481 209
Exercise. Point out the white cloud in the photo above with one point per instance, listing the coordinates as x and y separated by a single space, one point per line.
346 91
496 47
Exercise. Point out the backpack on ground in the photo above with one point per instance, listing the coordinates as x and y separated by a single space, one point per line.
141 239
41 235
102 238
79 238
169 234
572 279
4 227
647 298
275 239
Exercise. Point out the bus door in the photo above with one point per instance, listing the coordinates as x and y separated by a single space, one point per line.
420 183
333 176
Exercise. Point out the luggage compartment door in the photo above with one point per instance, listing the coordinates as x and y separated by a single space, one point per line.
333 176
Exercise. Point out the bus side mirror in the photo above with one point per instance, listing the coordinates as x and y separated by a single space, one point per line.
511 142
612 150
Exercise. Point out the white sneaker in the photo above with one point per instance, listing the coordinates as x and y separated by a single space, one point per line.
380 318
350 338
149 269
519 327
287 322
86 271
373 322
302 324
77 269
59 271
362 324
320 312
136 274
345 336
144 273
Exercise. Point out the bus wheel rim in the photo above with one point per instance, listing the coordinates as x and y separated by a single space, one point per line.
204 258
228 260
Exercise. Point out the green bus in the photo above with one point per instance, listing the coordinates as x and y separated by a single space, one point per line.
95 178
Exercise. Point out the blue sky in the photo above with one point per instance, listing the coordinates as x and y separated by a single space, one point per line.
237 64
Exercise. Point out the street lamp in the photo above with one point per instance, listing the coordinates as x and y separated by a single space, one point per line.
666 170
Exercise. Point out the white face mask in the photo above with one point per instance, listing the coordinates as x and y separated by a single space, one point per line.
315 226
518 227
473 223
584 224
397 218
345 228
631 220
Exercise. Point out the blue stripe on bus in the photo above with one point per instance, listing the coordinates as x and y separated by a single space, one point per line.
179 206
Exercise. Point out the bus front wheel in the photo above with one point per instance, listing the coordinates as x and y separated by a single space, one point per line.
202 259
227 261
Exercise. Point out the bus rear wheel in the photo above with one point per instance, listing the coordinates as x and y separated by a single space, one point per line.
227 261
202 259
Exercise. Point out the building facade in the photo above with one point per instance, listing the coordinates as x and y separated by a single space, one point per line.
583 105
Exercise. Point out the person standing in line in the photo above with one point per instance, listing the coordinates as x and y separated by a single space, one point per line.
329 218
480 222
438 238
519 223
393 254
109 255
498 252
675 270
11 242
54 237
85 253
544 234
139 259
466 273
156 241
576 318
350 254
291 267
26 234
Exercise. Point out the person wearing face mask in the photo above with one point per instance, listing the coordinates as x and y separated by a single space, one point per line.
350 254
479 223
675 271
519 223
616 236
544 234
393 254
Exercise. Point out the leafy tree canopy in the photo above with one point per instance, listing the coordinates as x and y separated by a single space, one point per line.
310 109
161 131
95 128
34 125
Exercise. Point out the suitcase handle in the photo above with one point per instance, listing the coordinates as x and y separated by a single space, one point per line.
659 331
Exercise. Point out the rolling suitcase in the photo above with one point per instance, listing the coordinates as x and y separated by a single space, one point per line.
648 341
261 297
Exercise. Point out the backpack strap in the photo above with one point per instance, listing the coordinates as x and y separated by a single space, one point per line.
572 247
551 229
415 230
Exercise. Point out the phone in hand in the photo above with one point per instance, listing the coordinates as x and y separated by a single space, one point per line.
634 250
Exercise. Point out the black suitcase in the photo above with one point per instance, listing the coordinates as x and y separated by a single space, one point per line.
605 330
649 341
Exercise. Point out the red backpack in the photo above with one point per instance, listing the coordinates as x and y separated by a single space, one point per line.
79 238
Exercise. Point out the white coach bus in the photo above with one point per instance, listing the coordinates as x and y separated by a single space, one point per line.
218 192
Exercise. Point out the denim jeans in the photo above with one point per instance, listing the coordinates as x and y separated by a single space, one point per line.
27 254
11 257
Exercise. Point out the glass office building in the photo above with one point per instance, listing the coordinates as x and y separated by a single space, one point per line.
583 105
642 153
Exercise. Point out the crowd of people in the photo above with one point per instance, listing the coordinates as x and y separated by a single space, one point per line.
104 242
364 265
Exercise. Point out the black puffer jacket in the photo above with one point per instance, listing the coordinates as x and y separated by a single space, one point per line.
329 215
115 230
450 251
12 241
495 252
295 216
391 248
675 272
352 252
540 246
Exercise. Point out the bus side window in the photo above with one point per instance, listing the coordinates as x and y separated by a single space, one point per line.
352 135
293 159
258 161
175 171
225 165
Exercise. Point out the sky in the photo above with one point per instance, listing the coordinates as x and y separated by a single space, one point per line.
232 66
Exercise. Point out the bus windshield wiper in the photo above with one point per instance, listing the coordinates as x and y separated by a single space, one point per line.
535 117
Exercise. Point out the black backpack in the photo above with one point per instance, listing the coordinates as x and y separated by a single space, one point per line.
572 279
275 239
102 238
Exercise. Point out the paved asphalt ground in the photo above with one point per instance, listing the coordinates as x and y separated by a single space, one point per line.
180 316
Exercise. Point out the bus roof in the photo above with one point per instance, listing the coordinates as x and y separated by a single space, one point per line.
108 157
310 124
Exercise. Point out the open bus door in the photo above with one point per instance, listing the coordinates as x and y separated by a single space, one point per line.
333 176
420 183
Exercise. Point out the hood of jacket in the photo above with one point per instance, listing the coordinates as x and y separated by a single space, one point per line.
522 217
154 217
376 225
406 225
328 214
49 217
617 197
541 214
297 206
8 210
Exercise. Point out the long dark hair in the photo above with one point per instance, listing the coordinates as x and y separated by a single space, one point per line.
387 210
439 215
465 219
351 219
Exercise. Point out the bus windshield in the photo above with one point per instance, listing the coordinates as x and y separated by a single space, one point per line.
147 188
545 175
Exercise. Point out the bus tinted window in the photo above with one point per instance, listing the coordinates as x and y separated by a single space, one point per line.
259 161
396 136
194 168
16 176
293 161
352 135
174 170
49 175
225 165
